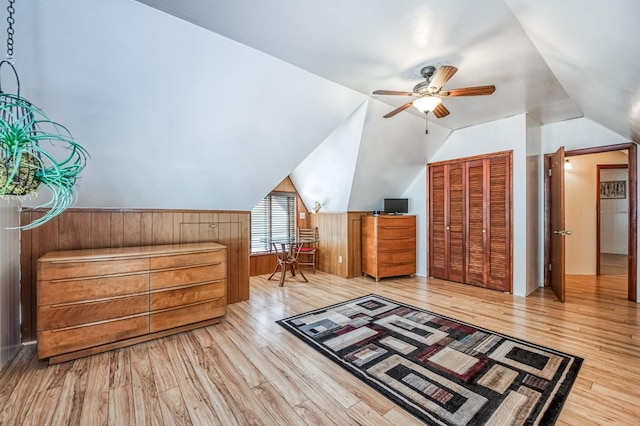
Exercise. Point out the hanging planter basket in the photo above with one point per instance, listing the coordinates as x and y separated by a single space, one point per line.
28 142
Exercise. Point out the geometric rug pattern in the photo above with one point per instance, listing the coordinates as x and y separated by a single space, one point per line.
443 371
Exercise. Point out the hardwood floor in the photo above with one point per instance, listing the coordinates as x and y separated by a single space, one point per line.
613 264
248 370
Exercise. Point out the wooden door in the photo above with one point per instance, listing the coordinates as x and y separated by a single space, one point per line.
557 223
476 262
456 216
437 220
488 222
447 219
498 223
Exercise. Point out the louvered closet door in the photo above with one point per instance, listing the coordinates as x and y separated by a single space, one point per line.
437 231
499 223
455 214
476 261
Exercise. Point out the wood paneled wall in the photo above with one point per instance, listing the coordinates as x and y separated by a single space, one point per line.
263 263
340 237
105 228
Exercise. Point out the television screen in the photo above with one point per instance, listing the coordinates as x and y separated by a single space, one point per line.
396 205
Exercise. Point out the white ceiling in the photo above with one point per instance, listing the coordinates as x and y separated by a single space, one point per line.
554 60
158 90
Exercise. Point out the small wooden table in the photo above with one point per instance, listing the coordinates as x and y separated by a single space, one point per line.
287 253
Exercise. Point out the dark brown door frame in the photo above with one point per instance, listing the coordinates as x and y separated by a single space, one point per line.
633 211
598 168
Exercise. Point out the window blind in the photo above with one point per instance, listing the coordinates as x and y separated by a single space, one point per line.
274 217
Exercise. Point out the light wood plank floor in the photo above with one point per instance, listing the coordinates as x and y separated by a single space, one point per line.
613 264
248 370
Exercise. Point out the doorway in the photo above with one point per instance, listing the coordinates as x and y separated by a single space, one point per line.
612 220
551 210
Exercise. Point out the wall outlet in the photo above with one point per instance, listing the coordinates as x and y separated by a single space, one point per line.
339 259
302 215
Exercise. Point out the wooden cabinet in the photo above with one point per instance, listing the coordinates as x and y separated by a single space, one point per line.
388 245
470 221
90 301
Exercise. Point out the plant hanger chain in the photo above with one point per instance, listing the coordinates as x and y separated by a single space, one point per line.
10 31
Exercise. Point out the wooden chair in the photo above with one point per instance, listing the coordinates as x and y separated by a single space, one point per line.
309 237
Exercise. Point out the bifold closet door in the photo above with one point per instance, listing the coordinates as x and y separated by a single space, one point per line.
488 254
437 223
498 247
476 232
447 215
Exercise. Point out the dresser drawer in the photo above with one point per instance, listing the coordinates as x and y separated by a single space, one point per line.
73 314
71 339
393 270
188 295
73 290
188 259
396 232
397 244
55 270
187 275
171 318
393 257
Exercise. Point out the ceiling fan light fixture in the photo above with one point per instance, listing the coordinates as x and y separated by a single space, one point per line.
427 103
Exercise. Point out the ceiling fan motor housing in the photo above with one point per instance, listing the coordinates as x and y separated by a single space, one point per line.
423 86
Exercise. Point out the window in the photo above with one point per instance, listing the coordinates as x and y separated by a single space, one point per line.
273 218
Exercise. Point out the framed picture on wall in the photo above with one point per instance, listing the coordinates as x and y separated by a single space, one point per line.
613 189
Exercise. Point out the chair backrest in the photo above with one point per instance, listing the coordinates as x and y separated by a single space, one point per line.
308 234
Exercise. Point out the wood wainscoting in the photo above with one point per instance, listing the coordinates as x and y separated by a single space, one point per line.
340 239
262 263
115 228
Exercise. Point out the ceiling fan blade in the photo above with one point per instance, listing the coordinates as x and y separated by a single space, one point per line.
440 111
391 92
441 76
397 110
469 91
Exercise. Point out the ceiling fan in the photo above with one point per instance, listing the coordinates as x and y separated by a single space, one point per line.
429 93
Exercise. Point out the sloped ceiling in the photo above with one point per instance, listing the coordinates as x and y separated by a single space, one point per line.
552 60
210 103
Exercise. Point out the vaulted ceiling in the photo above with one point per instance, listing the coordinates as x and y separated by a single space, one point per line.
210 103
554 60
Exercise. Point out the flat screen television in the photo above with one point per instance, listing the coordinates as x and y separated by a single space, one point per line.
396 205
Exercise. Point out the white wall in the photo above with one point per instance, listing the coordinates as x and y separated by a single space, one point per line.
326 174
614 215
418 206
9 281
509 134
173 115
534 205
580 210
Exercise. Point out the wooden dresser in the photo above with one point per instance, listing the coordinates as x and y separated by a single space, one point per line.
91 301
388 245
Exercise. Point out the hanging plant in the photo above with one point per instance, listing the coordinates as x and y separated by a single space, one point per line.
25 164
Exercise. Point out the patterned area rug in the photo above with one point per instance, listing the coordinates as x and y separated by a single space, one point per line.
443 371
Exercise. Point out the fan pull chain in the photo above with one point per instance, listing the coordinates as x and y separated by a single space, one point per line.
426 124
10 31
